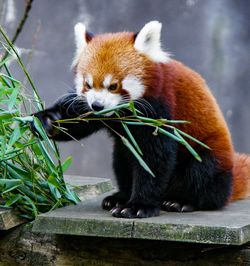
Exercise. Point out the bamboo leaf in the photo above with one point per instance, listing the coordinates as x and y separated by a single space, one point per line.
108 110
137 156
16 135
193 139
130 135
12 200
168 134
189 147
66 164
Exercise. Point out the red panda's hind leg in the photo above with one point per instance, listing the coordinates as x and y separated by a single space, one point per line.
198 185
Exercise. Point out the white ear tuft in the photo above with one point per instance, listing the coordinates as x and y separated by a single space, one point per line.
80 40
148 42
80 35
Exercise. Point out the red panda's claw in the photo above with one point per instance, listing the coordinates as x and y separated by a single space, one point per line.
112 201
187 208
171 206
135 212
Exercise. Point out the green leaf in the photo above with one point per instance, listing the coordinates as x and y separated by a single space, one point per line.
38 126
130 135
7 114
16 135
47 157
26 119
189 147
31 203
168 134
9 184
108 110
55 192
66 164
12 200
13 99
137 156
71 195
10 78
193 139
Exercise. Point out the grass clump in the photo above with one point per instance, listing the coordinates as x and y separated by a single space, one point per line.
31 173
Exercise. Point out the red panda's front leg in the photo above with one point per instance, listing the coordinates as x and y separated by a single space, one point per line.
122 166
148 191
68 107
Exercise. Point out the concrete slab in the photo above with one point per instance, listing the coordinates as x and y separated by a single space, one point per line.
230 226
85 187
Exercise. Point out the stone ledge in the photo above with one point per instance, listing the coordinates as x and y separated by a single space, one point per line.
85 187
9 219
230 226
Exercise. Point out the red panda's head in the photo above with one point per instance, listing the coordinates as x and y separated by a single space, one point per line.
114 68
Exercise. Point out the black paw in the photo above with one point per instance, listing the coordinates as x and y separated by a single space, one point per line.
135 211
47 120
112 201
171 206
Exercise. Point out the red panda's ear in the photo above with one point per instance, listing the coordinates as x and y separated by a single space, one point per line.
148 42
82 37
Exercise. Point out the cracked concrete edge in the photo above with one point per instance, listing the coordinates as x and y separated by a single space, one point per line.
91 227
135 230
190 234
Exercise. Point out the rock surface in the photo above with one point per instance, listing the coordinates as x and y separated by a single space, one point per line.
230 226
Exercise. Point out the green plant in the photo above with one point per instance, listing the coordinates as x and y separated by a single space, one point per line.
31 173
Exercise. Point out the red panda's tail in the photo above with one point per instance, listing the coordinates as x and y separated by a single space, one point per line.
241 177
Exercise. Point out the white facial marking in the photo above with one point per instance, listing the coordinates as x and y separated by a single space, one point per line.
107 80
79 83
148 42
133 86
89 79
104 97
80 40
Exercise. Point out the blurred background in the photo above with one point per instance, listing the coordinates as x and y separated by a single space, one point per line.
210 36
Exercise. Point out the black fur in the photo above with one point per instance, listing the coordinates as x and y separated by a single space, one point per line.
181 182
67 107
201 185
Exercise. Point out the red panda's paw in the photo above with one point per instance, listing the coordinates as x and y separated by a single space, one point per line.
171 206
47 120
112 201
135 211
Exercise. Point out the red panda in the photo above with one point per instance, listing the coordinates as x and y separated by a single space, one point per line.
114 68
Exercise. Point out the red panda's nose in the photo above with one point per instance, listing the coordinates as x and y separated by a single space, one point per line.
96 106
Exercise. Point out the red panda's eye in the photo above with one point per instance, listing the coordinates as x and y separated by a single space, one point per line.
113 87
87 86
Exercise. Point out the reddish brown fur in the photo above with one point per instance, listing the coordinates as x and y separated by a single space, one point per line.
183 89
110 54
241 181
